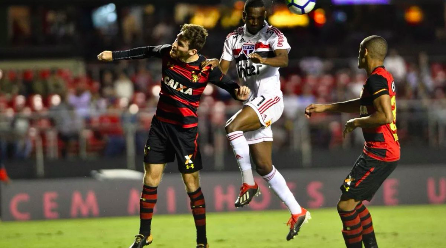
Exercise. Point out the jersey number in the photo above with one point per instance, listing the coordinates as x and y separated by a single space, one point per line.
263 99
393 124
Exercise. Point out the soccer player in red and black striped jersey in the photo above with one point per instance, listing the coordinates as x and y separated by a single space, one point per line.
173 132
381 153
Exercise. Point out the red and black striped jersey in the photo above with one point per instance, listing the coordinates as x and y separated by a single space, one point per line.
182 84
381 143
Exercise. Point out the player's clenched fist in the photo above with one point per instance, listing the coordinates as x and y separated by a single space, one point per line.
105 56
242 93
314 108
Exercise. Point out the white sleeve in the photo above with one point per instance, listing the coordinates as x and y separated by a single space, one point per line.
227 49
279 41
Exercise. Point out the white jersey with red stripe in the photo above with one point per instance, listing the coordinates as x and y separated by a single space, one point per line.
261 79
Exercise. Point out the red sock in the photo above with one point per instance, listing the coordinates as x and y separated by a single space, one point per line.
368 233
198 207
352 229
147 203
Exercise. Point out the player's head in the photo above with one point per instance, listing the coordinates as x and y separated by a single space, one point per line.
254 15
372 48
189 41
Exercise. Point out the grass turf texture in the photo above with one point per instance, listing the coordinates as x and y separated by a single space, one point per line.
399 226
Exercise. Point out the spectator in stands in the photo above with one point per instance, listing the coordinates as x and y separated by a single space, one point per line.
40 85
123 86
396 65
20 126
143 79
56 84
80 99
7 86
66 122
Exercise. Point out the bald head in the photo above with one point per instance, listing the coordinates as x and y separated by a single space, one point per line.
376 46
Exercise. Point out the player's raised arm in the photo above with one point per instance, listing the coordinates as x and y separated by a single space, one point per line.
238 92
279 60
134 53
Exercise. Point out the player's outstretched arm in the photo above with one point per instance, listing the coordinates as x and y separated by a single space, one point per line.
279 60
105 56
351 106
134 53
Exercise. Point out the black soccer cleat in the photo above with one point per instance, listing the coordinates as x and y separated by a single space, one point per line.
247 193
296 221
202 246
141 241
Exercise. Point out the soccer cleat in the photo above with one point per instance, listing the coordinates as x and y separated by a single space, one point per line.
296 221
141 241
202 246
247 193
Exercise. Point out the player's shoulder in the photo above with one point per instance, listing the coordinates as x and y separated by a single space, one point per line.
381 74
272 31
376 79
234 34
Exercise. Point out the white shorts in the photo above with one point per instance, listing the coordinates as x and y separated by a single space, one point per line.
268 109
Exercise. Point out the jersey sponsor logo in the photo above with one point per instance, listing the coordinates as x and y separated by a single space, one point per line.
177 86
248 70
242 40
248 48
189 163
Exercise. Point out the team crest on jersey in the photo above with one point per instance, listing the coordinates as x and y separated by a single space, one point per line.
195 78
248 48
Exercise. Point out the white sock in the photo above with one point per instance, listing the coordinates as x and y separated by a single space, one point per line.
241 151
279 186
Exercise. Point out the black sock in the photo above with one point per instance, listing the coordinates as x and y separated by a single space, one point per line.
352 229
147 203
198 207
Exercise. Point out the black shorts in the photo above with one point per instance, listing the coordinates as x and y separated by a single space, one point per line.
167 141
366 177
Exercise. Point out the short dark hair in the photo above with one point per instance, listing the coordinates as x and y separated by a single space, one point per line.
195 35
253 4
376 46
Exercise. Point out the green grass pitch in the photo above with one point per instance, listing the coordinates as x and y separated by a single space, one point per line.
399 226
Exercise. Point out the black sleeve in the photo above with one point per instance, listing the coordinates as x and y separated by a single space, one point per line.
221 80
141 52
377 86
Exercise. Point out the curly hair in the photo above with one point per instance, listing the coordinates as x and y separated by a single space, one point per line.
195 35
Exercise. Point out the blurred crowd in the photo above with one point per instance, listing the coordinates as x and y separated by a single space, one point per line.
98 113
56 108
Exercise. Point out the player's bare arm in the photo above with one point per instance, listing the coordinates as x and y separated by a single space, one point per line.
280 60
351 106
382 116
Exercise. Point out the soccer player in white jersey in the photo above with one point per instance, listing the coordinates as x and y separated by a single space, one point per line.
259 50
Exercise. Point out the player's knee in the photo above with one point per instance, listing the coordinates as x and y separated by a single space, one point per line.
263 167
346 205
191 186
152 179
